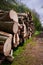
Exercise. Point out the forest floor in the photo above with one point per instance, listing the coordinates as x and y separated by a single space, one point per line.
32 54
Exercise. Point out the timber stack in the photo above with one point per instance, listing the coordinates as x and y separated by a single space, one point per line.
15 28
27 21
9 24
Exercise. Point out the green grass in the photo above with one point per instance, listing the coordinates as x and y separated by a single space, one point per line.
21 48
37 33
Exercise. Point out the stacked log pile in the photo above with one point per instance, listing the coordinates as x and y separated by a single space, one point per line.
27 21
30 22
21 30
9 24
16 27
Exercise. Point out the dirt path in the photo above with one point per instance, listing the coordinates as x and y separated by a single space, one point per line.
33 54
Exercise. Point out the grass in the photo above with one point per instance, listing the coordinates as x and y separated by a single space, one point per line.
21 48
37 33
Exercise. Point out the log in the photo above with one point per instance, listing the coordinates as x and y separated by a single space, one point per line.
1 11
25 30
9 27
9 22
21 14
6 26
5 43
21 21
30 32
15 27
29 15
5 17
2 58
13 15
16 40
9 16
23 33
10 57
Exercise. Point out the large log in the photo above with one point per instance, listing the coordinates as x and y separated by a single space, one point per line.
5 17
5 43
9 21
6 26
13 15
9 27
9 16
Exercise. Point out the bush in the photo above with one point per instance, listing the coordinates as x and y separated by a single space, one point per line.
37 22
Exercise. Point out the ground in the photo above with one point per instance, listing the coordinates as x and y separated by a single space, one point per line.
32 53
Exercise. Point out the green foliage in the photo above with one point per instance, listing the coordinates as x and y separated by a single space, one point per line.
37 33
18 8
36 21
22 8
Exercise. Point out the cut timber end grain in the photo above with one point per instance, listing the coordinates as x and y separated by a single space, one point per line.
16 40
13 15
5 47
15 28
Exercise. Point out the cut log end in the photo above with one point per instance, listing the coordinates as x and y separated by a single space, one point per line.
5 47
13 15
16 40
15 28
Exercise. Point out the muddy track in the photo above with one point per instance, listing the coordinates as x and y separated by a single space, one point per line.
32 55
36 51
